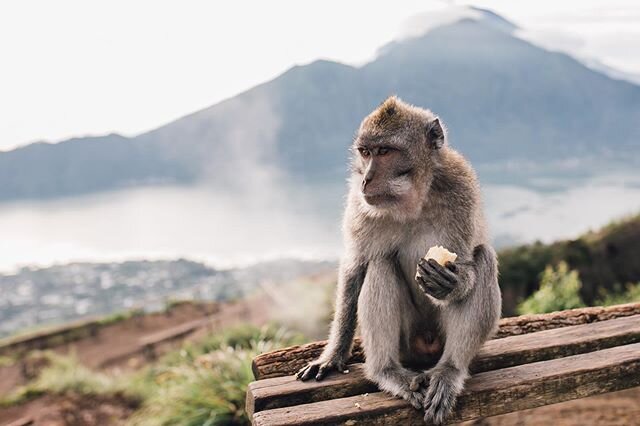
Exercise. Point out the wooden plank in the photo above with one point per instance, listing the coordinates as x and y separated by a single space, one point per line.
524 324
289 360
287 391
556 343
486 394
495 354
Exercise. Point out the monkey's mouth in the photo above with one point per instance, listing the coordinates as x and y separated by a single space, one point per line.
378 199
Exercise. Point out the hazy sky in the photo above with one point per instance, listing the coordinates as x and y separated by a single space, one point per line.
72 68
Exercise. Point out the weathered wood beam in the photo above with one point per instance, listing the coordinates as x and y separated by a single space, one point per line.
524 324
556 343
495 354
287 361
486 394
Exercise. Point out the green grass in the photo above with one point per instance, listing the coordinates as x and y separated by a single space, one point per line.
120 316
210 391
63 375
6 361
630 293
205 383
172 303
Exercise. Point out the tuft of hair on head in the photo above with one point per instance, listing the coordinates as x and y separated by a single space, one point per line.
388 116
394 115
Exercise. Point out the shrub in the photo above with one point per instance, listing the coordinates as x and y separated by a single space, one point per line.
559 290
210 391
205 383
631 293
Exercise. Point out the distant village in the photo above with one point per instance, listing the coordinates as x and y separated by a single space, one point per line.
57 294
62 293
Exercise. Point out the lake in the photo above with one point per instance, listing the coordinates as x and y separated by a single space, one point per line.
194 223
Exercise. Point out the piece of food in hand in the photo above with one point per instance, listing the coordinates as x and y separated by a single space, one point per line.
440 255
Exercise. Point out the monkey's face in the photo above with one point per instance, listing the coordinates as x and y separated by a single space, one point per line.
394 154
387 176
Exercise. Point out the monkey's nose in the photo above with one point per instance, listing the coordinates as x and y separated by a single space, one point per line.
365 181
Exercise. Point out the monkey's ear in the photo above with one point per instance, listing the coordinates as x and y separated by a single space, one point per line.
435 134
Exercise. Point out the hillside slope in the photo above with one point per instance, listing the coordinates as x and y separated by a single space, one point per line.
605 259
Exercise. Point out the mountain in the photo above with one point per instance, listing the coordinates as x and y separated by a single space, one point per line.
82 165
511 107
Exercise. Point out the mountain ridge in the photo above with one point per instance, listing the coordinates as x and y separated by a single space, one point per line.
503 98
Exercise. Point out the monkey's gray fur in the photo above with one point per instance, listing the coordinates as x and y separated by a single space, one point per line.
408 192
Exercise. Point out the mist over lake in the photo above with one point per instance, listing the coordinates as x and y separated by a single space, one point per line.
228 230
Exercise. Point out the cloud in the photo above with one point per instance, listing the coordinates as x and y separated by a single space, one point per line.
420 24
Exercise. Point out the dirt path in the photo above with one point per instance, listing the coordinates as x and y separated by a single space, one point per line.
113 340
70 410
122 338
10 378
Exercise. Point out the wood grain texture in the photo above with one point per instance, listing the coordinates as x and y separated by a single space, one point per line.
495 354
531 323
486 394
289 360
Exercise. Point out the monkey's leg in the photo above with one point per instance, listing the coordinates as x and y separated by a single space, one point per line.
467 323
343 327
380 307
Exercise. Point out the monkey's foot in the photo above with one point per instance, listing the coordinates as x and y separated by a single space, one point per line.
419 381
398 383
416 399
319 369
444 387
436 280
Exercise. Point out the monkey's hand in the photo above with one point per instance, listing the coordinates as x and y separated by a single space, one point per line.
319 368
436 280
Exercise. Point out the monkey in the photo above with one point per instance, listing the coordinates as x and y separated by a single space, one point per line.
408 191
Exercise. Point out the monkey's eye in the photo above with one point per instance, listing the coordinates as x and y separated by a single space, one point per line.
364 152
383 151
406 172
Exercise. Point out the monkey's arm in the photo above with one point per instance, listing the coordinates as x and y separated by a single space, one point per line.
467 321
336 353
